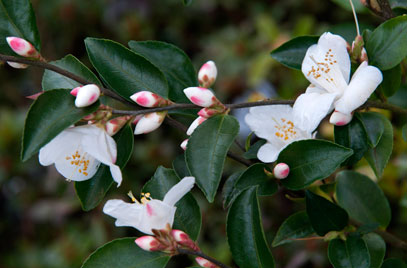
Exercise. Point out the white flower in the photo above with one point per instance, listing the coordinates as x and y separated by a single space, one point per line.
276 124
77 153
150 213
327 66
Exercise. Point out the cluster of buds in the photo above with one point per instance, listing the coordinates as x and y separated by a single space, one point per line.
85 95
151 121
281 171
171 241
23 48
357 51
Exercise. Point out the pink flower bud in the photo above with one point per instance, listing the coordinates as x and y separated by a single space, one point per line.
340 119
201 96
147 99
114 125
35 96
195 124
137 118
207 74
22 47
17 65
149 122
74 92
363 56
184 144
149 243
205 263
86 95
281 171
208 112
180 236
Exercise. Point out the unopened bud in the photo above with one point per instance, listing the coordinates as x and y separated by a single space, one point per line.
149 243
207 74
86 95
147 99
184 144
114 125
137 118
74 92
35 96
209 112
22 47
201 96
281 171
195 124
149 122
180 236
363 56
205 263
17 65
340 119
357 47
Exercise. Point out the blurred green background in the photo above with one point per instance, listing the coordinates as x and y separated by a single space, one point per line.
42 224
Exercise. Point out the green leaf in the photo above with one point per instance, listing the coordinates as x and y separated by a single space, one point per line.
229 192
391 81
386 45
245 232
188 215
311 160
362 198
49 115
359 7
373 125
296 226
17 18
52 80
352 135
91 192
377 249
352 253
173 63
180 166
123 70
187 2
292 53
252 152
394 263
404 132
378 156
124 253
207 149
324 215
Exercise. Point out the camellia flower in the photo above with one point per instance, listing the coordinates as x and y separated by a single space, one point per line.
327 66
276 124
77 153
149 213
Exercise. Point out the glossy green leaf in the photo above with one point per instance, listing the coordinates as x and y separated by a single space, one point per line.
352 253
124 253
229 192
377 249
311 160
373 125
296 226
180 166
123 70
187 2
173 63
52 80
386 45
245 232
378 156
292 53
404 132
398 4
364 201
359 7
352 135
188 215
17 18
252 152
324 215
49 115
91 192
394 263
207 149
391 81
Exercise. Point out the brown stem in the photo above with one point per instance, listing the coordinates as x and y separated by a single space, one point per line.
381 8
202 255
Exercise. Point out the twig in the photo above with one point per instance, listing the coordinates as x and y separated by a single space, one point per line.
202 255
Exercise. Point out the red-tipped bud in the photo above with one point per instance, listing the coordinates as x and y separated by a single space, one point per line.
195 124
35 96
205 263
137 118
201 96
22 47
147 99
281 171
149 243
340 119
114 125
184 144
149 122
363 56
180 236
74 92
207 74
86 95
17 65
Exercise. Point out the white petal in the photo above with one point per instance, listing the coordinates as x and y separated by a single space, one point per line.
56 147
126 214
179 190
155 215
149 123
116 174
100 145
268 153
363 84
311 107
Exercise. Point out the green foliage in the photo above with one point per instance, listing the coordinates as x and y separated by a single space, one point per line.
207 149
404 132
296 226
311 160
394 263
377 249
359 7
180 166
229 190
124 253
364 201
352 253
251 153
245 232
49 115
374 127
391 81
91 192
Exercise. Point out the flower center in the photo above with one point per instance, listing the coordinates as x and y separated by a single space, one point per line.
285 129
145 198
79 161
